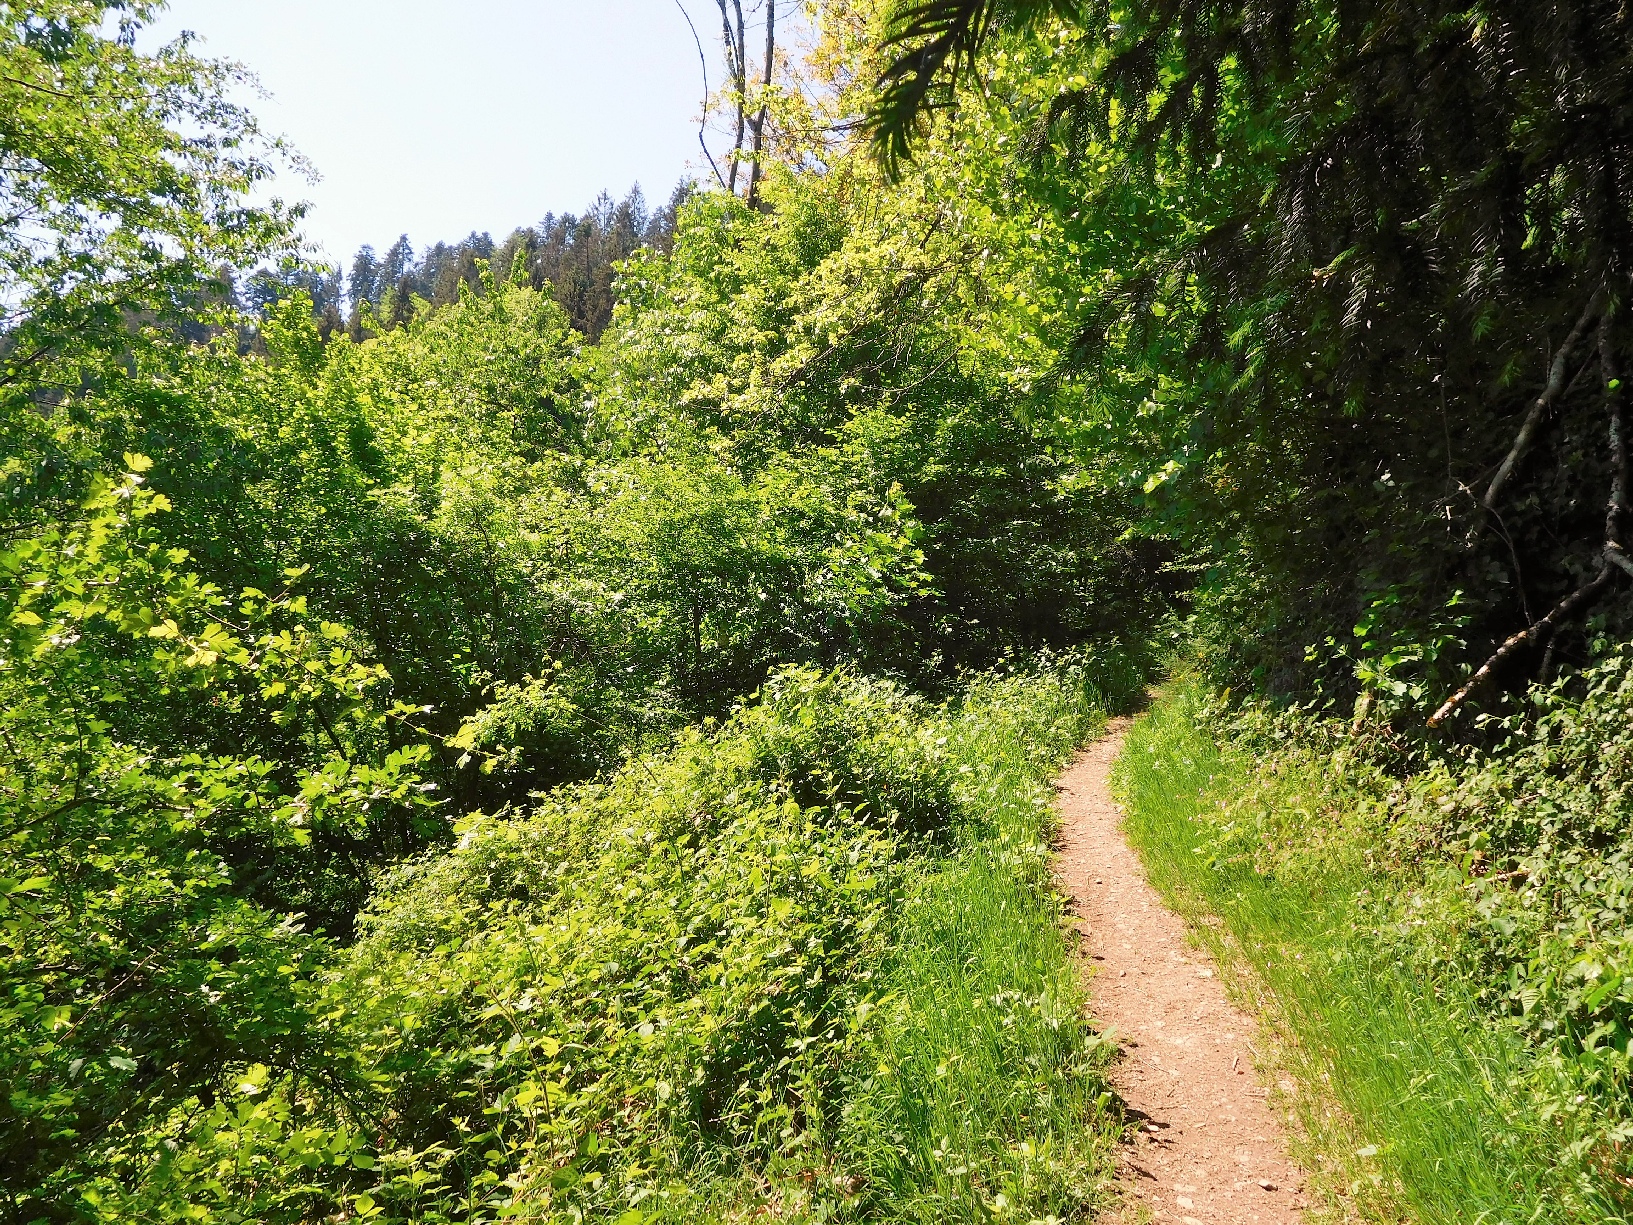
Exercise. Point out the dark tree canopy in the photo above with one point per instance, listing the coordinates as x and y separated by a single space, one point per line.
1412 272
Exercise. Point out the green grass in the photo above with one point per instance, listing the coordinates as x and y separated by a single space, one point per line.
1420 1106
987 1098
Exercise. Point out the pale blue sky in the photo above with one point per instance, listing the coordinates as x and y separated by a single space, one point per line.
437 118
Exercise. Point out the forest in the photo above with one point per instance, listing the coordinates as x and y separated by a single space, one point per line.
563 728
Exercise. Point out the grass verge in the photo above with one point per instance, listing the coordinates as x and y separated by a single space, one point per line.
984 1096
1435 1117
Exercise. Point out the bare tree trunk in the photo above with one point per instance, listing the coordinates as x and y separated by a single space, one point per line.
737 69
765 99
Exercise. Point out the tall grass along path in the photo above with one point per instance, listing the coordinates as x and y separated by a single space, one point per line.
1208 1147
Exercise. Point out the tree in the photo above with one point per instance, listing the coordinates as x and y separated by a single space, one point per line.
577 256
1403 244
395 264
140 978
133 169
363 283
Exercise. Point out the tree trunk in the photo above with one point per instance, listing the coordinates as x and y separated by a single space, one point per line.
737 69
765 99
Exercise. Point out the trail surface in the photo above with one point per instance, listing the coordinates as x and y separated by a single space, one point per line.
1209 1149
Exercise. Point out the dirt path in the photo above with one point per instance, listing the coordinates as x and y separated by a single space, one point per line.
1209 1149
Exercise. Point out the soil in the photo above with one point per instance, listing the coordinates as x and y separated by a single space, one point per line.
1208 1147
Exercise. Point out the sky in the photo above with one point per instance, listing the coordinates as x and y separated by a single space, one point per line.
435 119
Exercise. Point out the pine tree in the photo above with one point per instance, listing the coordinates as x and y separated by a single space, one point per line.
397 263
364 285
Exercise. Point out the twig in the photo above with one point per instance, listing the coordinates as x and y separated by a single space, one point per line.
1519 571
44 89
703 119
15 367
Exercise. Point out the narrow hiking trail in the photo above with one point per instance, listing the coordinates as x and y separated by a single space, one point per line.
1209 1150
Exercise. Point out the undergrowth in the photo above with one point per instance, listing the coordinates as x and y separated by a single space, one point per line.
1439 942
805 963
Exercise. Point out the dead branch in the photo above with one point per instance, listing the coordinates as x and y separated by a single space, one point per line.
1544 402
1531 633
1612 556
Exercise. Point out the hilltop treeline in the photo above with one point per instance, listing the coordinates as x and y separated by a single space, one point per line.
572 256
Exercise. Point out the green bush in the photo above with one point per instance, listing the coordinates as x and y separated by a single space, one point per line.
144 967
806 959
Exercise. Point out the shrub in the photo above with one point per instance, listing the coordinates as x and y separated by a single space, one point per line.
722 979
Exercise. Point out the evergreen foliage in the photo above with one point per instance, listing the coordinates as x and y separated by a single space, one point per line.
574 257
1387 245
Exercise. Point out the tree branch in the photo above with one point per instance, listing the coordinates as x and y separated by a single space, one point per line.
44 89
1532 633
703 119
1543 402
